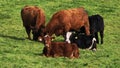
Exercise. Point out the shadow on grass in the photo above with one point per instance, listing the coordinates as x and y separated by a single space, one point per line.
11 37
39 54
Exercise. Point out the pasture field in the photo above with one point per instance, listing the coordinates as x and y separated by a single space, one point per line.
18 52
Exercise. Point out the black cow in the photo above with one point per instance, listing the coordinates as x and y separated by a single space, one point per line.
83 41
97 25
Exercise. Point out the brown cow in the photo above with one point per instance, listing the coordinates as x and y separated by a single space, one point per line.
68 20
33 19
56 49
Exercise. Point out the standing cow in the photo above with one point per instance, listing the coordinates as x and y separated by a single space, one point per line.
33 19
68 20
97 25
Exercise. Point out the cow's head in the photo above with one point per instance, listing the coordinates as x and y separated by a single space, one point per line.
37 33
93 44
47 40
90 42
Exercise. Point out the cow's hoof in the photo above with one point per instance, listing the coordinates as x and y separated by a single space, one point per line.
94 49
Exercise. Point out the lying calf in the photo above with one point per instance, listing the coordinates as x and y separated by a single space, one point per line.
56 49
82 40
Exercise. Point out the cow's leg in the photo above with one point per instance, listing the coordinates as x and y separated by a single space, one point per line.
101 35
71 56
65 30
55 55
87 29
27 28
96 36
76 53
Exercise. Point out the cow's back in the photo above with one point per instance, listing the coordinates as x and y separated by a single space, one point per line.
66 49
78 18
57 49
73 18
61 49
96 23
29 15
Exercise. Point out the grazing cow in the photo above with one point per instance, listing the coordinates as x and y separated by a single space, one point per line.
83 41
33 19
56 49
68 20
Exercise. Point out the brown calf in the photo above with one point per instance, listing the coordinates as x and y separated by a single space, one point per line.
56 49
33 19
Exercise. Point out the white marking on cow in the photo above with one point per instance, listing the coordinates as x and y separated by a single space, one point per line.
94 49
47 45
76 37
46 35
68 34
92 43
40 39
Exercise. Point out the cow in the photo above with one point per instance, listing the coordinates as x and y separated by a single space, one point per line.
33 19
83 41
97 25
59 49
68 20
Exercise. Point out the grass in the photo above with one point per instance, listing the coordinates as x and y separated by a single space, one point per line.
18 52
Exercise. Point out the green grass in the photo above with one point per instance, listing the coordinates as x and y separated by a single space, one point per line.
18 52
